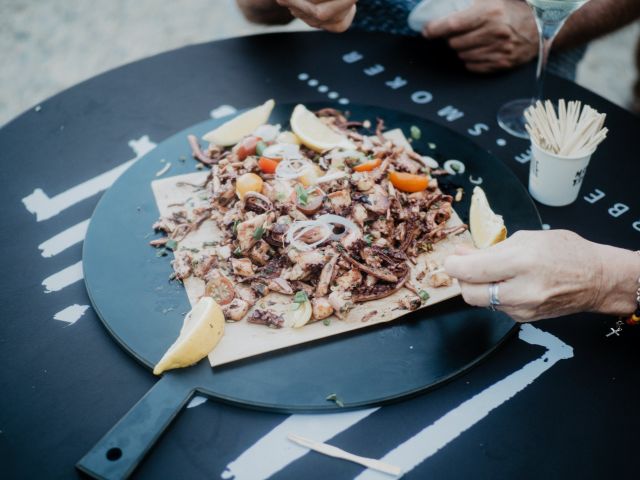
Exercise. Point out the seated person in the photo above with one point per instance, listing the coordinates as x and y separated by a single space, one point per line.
491 35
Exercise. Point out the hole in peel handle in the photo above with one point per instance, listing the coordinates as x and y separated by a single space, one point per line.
120 451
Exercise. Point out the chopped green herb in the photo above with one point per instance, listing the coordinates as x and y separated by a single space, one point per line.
335 398
237 252
171 244
194 250
257 234
260 146
340 247
234 228
424 296
416 133
210 244
327 322
300 297
368 239
303 196
455 167
162 253
431 145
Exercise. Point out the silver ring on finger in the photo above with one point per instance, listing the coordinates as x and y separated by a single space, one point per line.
494 299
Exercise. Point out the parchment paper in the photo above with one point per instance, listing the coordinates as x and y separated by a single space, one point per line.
243 339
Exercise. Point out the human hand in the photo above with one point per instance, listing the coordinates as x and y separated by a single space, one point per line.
540 274
490 35
331 15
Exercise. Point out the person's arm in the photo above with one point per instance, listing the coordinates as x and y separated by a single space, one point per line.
500 34
595 19
266 12
620 281
547 274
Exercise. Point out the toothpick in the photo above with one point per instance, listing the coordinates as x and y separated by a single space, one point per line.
571 130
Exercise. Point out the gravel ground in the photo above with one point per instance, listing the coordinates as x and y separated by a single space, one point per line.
50 45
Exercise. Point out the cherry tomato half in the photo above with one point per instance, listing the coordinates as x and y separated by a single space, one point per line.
368 166
246 147
268 165
408 182
311 200
221 290
248 182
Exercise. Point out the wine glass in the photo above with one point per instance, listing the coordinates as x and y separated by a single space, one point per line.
550 16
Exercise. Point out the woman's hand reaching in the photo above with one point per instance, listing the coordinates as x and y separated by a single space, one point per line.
546 274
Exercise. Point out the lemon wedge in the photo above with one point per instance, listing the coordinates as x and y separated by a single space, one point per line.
201 331
313 133
486 227
299 315
231 132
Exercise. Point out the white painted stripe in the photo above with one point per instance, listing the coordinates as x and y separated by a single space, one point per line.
45 207
434 437
71 314
273 452
64 239
196 401
63 278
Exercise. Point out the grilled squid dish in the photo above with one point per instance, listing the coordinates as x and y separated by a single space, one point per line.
329 229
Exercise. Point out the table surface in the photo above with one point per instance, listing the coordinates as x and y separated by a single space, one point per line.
559 400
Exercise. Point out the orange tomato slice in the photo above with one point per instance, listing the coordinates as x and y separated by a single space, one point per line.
408 182
268 165
368 166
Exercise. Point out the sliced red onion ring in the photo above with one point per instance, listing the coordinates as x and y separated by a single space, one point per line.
290 168
298 229
331 219
454 167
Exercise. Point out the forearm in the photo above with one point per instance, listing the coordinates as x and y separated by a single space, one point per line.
619 281
265 12
595 19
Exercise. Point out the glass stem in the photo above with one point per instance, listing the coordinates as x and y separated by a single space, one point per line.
546 33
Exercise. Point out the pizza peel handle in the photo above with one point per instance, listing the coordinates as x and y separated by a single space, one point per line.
120 451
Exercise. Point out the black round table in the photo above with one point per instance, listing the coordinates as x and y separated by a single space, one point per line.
558 400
